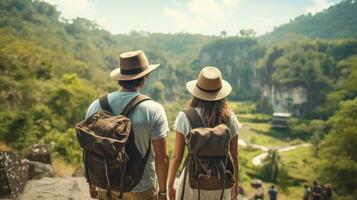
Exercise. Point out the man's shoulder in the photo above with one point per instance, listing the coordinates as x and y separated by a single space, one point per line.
151 105
93 107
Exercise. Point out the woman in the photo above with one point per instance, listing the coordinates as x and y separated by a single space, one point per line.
209 92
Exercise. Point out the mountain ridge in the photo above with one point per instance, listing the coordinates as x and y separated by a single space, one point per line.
336 22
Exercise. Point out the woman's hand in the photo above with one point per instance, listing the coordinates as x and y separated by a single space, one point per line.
93 191
172 193
234 191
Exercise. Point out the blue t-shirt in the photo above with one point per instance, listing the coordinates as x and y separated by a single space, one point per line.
149 122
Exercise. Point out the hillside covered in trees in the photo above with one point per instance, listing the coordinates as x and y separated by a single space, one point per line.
336 22
52 68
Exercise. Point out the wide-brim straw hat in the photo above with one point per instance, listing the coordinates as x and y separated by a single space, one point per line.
209 85
133 65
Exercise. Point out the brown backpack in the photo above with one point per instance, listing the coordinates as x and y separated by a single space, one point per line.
111 158
209 163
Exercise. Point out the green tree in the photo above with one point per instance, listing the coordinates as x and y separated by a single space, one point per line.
158 91
317 131
338 150
271 166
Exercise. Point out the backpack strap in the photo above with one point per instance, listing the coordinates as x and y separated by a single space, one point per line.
195 121
134 102
194 118
104 103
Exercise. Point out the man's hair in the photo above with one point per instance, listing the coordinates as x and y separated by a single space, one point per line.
131 84
272 186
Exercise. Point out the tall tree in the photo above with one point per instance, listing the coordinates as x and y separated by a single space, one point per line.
339 152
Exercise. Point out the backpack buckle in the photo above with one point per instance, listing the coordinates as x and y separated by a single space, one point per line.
96 116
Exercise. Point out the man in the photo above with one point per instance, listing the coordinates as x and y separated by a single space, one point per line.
316 191
307 192
272 193
149 124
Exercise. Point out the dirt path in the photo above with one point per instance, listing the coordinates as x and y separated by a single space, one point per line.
257 160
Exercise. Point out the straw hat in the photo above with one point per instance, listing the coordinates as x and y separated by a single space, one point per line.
209 85
133 65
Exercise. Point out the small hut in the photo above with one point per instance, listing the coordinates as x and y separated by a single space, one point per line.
280 120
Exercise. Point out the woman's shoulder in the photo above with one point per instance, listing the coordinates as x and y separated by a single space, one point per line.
232 116
182 123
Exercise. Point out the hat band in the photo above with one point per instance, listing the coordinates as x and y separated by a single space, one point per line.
205 90
132 71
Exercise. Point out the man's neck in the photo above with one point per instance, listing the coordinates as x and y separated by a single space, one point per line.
130 90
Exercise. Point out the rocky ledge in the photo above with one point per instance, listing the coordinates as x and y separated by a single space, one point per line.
71 188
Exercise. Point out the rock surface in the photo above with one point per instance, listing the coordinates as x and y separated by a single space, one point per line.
56 189
38 170
39 153
68 188
13 174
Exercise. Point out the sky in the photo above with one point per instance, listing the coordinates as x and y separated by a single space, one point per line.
208 17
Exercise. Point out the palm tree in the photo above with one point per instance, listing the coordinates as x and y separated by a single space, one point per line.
271 165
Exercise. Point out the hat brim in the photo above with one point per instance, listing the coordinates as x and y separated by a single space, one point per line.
209 96
117 75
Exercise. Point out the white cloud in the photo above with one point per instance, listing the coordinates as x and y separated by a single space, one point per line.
202 15
71 9
318 6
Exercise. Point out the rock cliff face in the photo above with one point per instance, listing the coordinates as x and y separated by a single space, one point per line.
286 99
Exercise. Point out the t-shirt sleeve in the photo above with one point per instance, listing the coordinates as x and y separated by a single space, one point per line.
182 124
93 108
160 125
234 125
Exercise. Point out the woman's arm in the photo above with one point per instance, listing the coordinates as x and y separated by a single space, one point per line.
176 161
235 155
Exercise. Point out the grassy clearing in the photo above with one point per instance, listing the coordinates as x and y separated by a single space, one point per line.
249 172
301 163
242 107
261 134
301 168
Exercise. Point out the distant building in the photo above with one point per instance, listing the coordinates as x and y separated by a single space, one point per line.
280 120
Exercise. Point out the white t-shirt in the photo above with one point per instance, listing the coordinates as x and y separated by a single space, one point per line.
182 124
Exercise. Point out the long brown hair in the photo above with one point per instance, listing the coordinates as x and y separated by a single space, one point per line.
213 112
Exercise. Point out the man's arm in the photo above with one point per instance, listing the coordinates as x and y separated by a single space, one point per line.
161 162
